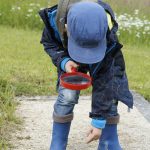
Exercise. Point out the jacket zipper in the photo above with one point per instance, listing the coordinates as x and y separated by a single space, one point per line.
98 65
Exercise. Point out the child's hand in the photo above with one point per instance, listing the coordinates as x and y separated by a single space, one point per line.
69 65
93 134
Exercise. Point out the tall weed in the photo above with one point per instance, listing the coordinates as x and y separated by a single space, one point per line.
7 109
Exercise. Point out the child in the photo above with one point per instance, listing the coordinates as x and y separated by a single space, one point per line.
92 46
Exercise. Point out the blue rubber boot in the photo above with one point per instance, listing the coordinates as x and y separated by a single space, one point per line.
109 138
60 136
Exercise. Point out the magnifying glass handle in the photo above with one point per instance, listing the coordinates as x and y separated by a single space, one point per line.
74 69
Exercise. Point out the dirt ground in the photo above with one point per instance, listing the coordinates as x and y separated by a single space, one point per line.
35 134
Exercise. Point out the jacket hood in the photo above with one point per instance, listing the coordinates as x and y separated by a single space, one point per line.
44 16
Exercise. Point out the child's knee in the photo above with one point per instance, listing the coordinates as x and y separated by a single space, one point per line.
67 96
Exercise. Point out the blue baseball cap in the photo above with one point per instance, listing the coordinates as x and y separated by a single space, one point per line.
87 27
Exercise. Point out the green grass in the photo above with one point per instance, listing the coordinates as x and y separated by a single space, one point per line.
7 112
24 13
28 68
128 6
24 70
21 14
24 63
138 68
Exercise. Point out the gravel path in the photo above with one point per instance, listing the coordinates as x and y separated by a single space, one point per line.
134 128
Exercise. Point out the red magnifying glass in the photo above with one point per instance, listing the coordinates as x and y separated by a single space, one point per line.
75 80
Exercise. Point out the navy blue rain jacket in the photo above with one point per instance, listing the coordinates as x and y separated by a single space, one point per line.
109 76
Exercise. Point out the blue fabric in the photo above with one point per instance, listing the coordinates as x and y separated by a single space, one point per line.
117 87
63 63
98 123
66 101
52 21
109 138
60 136
87 40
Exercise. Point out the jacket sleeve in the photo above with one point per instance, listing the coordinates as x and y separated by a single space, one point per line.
119 63
103 83
102 92
52 48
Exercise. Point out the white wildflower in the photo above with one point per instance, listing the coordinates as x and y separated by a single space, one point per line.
118 33
31 4
30 10
41 8
38 5
131 24
144 32
13 8
136 12
28 15
138 35
36 16
147 28
19 8
120 27
146 22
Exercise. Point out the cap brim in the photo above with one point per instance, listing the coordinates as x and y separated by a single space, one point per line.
86 55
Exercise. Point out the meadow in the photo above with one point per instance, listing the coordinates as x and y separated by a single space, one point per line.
25 69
